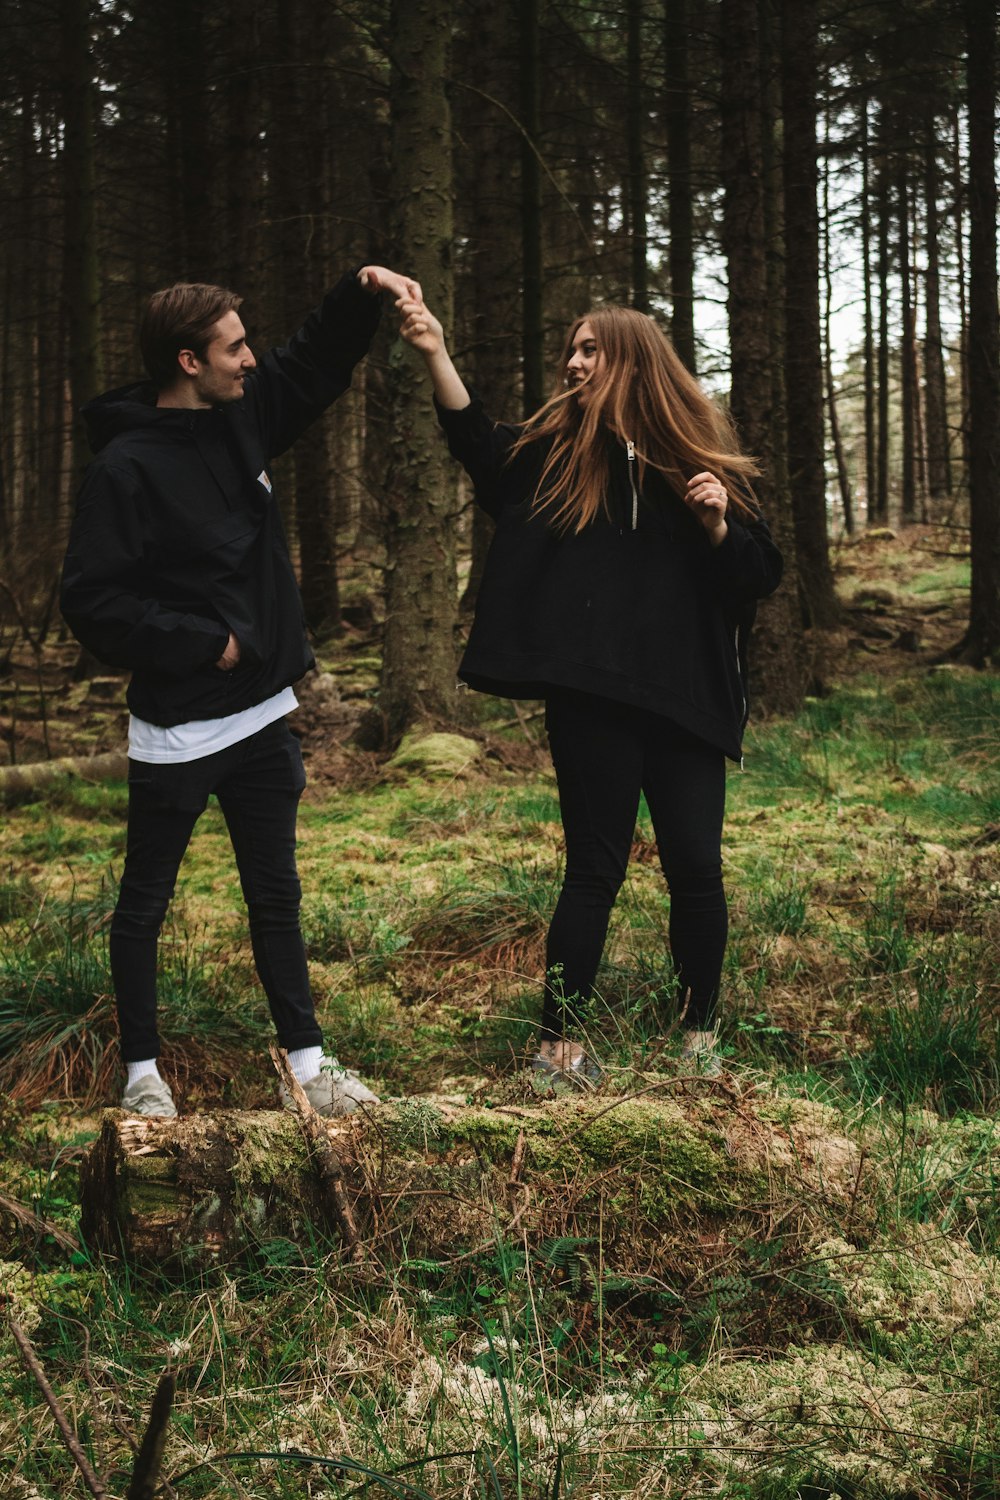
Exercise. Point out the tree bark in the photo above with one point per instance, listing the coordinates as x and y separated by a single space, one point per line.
982 643
680 191
803 345
935 389
843 480
418 674
778 673
907 353
81 273
871 464
490 288
635 116
533 327
879 511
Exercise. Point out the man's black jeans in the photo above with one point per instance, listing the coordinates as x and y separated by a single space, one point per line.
258 783
605 754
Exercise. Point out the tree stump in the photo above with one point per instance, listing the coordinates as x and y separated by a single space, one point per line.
198 1187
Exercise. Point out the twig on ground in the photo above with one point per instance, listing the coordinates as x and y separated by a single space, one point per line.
145 1474
31 1220
328 1163
90 1479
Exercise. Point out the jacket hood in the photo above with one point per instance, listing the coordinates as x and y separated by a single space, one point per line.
123 410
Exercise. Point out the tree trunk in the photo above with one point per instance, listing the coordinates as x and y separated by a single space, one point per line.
871 467
907 361
962 289
533 328
81 274
880 511
491 285
778 677
982 643
935 390
803 346
185 84
843 481
423 1179
680 191
635 116
418 674
23 783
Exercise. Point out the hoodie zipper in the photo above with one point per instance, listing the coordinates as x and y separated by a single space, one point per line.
630 452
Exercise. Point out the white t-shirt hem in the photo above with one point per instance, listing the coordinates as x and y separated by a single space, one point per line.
156 745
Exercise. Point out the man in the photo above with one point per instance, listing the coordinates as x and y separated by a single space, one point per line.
178 569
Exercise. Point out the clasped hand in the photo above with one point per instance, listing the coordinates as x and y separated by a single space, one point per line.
706 497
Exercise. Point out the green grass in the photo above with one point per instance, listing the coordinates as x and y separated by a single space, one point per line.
828 1324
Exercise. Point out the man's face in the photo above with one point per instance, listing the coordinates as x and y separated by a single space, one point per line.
220 374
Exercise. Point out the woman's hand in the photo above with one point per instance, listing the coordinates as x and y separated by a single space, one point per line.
420 327
377 279
706 497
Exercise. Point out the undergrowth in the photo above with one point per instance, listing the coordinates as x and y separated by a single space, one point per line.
827 1325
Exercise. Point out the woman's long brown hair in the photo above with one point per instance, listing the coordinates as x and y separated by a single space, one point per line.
642 394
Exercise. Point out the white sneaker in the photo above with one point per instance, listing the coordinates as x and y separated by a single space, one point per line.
568 1061
150 1096
334 1091
698 1048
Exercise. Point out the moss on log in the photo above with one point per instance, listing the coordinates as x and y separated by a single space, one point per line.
440 1181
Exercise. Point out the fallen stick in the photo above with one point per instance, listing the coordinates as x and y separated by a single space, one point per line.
77 1454
146 1472
328 1165
31 1220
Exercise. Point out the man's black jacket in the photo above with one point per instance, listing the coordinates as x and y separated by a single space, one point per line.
177 537
652 615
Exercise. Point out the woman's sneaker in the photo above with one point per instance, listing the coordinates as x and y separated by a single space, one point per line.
698 1049
334 1091
149 1095
569 1062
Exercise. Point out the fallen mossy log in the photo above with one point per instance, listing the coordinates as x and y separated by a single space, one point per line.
441 1182
21 783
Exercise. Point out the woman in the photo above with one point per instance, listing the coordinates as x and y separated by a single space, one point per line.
620 587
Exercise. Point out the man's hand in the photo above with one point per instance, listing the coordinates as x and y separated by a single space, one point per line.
377 279
230 656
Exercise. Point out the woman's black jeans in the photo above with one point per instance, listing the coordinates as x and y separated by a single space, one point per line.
605 754
258 783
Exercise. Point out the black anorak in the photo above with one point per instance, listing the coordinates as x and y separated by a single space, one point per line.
649 614
177 538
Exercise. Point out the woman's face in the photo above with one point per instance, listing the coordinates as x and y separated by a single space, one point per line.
585 360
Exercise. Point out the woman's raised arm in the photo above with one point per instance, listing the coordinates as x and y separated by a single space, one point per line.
420 328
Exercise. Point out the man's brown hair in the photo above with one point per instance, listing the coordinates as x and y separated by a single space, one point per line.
180 317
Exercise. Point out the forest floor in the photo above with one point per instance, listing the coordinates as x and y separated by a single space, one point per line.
781 1283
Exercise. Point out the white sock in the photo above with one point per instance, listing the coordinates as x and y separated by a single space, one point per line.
306 1062
142 1069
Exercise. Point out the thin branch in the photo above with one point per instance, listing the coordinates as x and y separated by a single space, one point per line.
328 1163
77 1454
31 1220
150 1456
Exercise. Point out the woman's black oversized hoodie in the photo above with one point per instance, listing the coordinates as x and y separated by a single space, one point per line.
637 607
177 538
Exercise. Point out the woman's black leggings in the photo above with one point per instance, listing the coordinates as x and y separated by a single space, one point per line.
604 754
